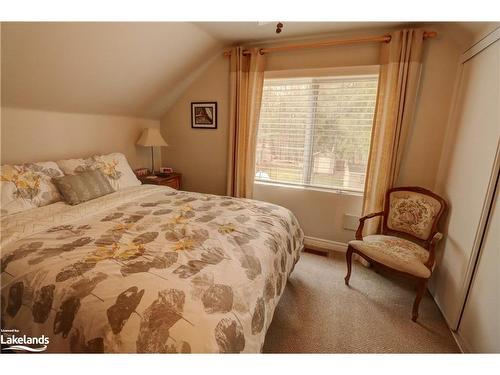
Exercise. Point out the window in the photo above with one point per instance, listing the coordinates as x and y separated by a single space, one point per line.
315 130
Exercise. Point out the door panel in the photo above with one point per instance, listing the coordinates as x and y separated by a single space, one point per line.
469 167
479 328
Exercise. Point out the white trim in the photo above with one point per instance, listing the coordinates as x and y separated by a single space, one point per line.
324 72
481 45
321 244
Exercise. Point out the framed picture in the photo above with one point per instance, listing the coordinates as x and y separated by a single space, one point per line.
204 115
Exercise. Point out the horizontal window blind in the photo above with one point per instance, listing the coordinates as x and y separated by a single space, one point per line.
316 131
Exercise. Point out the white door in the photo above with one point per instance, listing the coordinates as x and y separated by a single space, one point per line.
468 178
479 328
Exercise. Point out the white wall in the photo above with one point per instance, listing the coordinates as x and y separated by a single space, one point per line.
320 213
30 136
200 154
420 161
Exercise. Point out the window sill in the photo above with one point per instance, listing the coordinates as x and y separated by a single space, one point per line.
311 188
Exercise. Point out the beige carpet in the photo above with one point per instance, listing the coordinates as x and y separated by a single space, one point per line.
319 314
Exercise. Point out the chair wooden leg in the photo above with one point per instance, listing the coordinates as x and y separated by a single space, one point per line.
421 286
348 258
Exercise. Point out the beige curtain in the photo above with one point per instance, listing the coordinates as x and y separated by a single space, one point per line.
246 81
400 61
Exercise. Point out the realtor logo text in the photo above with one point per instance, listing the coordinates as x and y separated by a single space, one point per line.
15 343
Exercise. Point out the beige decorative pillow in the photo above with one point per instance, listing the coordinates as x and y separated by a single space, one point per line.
28 186
81 187
114 166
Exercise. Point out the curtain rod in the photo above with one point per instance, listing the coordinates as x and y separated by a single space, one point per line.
331 43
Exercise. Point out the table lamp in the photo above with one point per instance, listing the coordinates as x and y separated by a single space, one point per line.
151 137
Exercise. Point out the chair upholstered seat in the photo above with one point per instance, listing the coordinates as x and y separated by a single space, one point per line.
395 252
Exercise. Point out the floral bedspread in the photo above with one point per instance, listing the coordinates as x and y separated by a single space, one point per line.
147 269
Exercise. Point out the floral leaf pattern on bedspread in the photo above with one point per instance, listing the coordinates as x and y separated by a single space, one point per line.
148 269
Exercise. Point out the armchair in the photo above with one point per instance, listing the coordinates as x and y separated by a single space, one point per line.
408 238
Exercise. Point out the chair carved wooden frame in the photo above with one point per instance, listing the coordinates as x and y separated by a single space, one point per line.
427 239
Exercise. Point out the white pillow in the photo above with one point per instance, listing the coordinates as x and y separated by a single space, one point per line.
75 166
117 170
114 166
28 186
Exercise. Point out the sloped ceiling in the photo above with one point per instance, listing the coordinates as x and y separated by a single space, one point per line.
121 68
101 68
129 68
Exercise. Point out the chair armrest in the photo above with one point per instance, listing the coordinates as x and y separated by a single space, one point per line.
432 249
438 236
359 232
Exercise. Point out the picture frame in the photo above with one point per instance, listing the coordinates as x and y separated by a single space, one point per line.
204 115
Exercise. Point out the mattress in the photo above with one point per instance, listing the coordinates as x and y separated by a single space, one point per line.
147 269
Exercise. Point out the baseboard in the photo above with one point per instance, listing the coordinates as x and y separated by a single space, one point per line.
324 245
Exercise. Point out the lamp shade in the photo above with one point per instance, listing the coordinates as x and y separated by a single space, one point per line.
151 137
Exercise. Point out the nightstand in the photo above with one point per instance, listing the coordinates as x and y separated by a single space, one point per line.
172 179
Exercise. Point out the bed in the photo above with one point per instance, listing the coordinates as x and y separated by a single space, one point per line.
147 269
